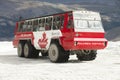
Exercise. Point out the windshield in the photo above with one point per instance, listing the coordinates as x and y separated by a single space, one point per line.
87 21
87 24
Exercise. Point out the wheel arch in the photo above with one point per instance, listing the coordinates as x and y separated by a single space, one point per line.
56 40
25 40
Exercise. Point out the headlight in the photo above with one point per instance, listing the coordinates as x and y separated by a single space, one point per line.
77 34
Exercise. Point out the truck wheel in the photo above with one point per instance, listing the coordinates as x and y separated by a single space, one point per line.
30 51
87 56
20 50
93 55
27 50
56 53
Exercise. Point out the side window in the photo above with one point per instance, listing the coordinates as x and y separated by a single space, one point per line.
20 26
62 21
50 22
35 25
56 23
24 28
70 21
47 24
30 28
41 24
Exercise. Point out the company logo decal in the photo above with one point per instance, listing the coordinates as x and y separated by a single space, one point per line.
43 41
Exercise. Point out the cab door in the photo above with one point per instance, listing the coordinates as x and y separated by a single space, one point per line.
69 32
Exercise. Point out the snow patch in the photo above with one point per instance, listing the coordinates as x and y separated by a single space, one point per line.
6 47
105 67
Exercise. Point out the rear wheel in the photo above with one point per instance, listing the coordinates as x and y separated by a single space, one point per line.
86 55
20 49
57 54
30 51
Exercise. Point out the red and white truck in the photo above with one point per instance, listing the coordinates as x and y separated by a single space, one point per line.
59 35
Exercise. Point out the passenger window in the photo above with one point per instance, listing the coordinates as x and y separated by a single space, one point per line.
57 22
29 26
62 21
24 28
40 25
47 24
70 23
50 22
43 22
55 26
35 25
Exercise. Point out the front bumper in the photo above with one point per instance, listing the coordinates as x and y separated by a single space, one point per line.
89 43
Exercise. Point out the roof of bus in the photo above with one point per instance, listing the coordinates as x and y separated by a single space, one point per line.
46 15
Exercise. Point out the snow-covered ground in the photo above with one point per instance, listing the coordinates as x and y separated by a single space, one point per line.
105 67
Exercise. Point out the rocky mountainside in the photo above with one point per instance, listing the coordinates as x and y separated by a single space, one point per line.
11 10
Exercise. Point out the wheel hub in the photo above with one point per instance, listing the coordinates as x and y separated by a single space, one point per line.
19 50
53 52
26 50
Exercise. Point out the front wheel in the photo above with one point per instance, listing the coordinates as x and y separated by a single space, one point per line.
57 54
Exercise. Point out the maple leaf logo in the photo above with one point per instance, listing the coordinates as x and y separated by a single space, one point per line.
43 41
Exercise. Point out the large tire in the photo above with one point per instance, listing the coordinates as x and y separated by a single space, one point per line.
57 54
87 57
30 51
20 49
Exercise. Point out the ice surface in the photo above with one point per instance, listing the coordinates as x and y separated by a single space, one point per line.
105 67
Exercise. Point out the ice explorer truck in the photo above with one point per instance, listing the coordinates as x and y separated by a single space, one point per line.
59 35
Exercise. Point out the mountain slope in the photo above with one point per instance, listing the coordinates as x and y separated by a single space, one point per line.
11 10
113 34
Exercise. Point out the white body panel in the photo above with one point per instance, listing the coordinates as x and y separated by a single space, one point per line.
43 43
